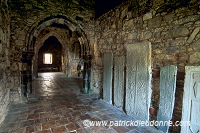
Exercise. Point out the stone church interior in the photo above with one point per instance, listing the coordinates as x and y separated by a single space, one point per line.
64 63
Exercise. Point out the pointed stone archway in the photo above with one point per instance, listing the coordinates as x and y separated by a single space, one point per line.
37 48
30 48
36 29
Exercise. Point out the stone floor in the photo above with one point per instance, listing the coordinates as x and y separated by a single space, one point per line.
57 106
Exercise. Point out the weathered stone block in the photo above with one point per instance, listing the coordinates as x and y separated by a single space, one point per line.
180 32
168 17
165 35
147 16
193 35
187 19
195 58
128 25
196 45
147 35
176 43
134 36
123 13
130 36
157 35
155 22
61 21
197 22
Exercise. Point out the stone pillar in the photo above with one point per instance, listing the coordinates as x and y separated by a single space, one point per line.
87 75
23 74
89 71
35 67
29 71
80 67
26 75
85 79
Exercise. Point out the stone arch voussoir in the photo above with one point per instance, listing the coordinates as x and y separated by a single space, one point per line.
37 28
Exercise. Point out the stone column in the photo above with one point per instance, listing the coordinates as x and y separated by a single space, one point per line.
87 75
35 67
89 71
24 85
23 74
26 75
29 72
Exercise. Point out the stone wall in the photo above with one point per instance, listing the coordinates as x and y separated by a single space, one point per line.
172 27
5 81
29 18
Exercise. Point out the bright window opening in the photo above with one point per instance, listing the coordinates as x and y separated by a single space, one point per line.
47 58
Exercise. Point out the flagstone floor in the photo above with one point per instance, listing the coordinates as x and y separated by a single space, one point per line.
57 106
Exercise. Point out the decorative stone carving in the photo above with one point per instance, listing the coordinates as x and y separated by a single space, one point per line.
191 100
167 95
138 78
197 89
119 82
107 77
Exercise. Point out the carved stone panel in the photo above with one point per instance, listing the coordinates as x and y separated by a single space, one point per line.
138 79
107 77
167 95
119 81
191 100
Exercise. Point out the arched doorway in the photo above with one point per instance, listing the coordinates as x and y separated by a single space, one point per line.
50 56
74 47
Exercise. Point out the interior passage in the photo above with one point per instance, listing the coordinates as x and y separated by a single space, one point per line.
57 106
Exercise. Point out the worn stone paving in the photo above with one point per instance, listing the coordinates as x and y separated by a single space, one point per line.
57 106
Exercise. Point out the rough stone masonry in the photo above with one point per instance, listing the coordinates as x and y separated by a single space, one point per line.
171 26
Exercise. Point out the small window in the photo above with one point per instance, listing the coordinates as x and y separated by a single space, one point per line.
47 58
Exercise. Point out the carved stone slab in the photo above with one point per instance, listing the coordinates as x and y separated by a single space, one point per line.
119 81
167 95
107 77
191 100
138 79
